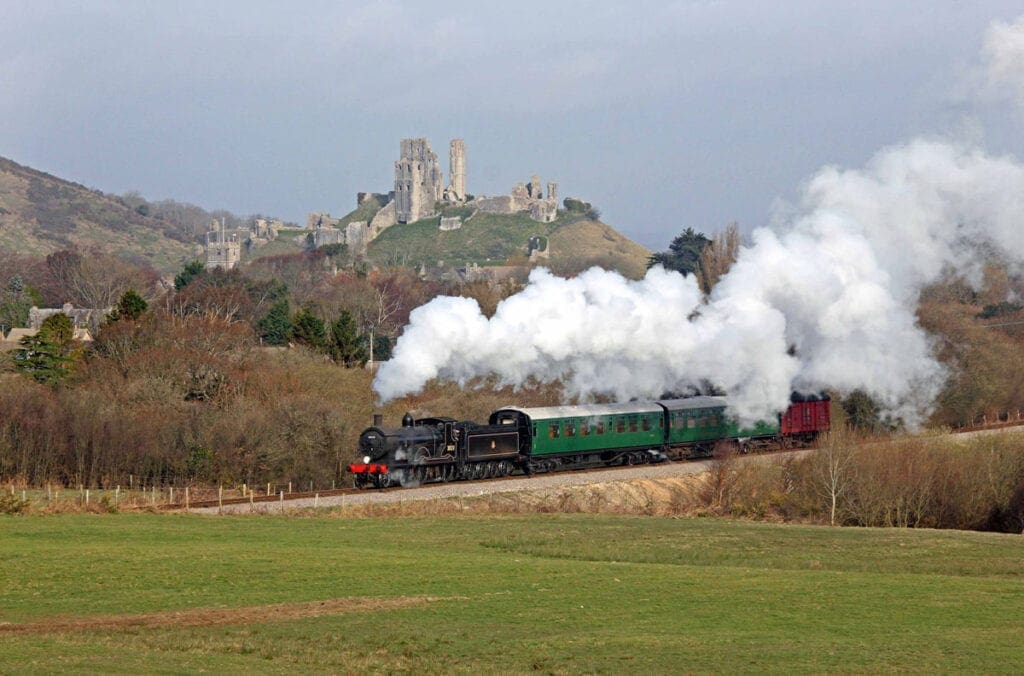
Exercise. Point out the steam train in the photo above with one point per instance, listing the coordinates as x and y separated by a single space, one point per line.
555 438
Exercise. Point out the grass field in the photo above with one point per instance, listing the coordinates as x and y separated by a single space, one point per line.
547 593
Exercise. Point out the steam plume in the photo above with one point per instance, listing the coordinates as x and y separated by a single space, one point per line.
823 299
839 282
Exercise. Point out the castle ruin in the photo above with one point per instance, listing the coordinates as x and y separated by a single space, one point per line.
418 192
222 251
456 191
417 181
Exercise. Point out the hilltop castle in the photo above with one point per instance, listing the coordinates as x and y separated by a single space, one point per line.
418 193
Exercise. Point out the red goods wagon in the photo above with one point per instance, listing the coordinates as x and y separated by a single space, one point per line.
807 416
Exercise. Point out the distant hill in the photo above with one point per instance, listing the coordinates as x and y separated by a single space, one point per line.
574 243
40 214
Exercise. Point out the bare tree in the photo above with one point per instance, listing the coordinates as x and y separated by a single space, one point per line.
718 256
834 470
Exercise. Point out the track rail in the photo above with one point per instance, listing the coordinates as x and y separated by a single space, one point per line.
336 492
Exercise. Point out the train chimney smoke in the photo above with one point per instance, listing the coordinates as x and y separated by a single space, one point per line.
826 297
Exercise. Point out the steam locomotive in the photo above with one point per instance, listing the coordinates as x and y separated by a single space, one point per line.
555 438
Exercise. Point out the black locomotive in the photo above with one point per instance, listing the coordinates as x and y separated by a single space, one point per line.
434 449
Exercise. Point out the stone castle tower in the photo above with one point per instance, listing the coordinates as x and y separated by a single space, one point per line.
417 180
222 251
457 169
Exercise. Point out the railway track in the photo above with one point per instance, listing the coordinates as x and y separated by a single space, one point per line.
253 499
328 494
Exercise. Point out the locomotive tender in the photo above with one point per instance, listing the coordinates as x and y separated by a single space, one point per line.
553 438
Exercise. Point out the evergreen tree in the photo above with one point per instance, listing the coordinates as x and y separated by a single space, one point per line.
309 330
187 274
347 346
47 356
684 253
276 326
381 347
130 306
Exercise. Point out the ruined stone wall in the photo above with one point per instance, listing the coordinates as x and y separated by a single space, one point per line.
384 219
450 223
457 170
327 235
418 180
321 219
357 236
502 204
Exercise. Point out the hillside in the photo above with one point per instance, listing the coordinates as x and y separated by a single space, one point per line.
575 243
40 214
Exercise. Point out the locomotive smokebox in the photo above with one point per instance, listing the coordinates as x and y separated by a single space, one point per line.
378 419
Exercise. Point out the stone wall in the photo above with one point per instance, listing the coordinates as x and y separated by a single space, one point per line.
417 181
321 219
384 219
456 191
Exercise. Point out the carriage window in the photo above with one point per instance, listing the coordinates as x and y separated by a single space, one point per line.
714 420
620 425
703 422
632 424
678 421
584 429
661 423
691 423
554 431
645 424
570 429
600 427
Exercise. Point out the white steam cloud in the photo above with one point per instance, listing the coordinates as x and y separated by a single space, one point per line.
839 283
826 299
1003 55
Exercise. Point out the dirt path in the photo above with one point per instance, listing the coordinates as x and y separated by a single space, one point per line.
206 617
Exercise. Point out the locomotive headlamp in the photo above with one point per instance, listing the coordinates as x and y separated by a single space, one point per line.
366 459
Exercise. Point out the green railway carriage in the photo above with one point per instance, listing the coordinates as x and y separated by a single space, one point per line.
700 422
569 437
603 432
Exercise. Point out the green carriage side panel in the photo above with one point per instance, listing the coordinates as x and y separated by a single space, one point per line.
761 428
703 419
560 430
696 419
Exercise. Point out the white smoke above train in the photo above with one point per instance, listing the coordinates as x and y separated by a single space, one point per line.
825 298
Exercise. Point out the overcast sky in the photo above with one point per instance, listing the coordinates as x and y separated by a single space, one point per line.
665 115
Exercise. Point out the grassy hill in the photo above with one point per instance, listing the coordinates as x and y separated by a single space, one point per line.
40 214
492 239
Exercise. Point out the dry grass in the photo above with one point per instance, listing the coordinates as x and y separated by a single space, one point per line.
210 617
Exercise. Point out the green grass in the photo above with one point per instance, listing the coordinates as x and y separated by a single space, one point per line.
551 593
485 238
364 212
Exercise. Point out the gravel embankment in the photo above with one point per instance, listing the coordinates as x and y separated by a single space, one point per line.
466 489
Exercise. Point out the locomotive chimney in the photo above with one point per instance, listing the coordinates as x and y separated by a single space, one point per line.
378 419
407 420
